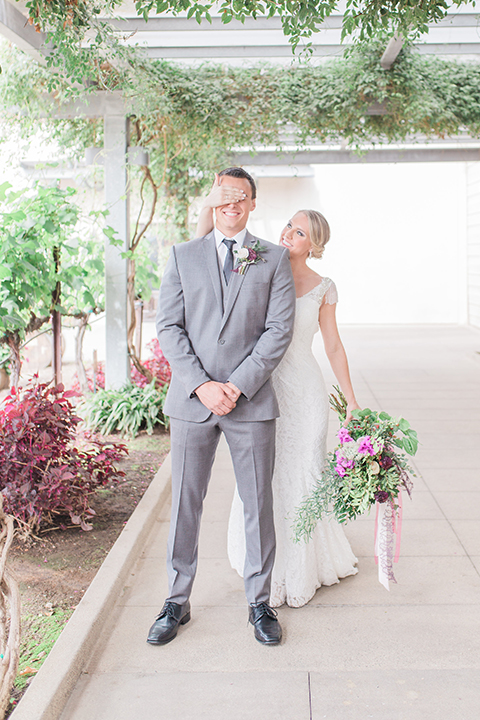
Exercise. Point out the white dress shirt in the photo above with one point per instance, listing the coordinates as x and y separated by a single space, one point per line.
222 248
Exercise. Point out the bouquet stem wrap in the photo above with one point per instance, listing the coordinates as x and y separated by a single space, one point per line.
388 532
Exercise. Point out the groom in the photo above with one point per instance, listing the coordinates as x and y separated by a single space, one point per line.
223 332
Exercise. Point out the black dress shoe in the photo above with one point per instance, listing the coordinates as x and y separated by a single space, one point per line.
166 624
267 629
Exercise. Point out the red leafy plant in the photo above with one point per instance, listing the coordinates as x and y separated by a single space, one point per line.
157 364
44 474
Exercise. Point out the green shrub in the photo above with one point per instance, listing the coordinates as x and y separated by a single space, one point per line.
127 410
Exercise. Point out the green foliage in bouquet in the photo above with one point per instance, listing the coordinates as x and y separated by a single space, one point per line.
126 411
368 466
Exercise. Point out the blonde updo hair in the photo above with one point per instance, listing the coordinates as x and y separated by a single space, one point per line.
319 231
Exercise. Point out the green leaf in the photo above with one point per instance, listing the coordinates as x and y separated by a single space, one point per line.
89 299
410 446
49 227
363 413
3 190
112 236
5 271
17 216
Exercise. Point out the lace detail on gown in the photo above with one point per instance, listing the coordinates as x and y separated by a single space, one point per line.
301 431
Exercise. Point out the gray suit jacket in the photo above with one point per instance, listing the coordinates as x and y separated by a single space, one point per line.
242 344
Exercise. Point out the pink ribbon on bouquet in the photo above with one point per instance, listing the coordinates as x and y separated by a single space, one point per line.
388 531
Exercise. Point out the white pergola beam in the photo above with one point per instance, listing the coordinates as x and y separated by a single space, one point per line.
182 24
320 157
222 52
391 52
453 48
236 51
97 104
15 27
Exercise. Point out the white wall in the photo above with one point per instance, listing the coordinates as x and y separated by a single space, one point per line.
398 246
473 242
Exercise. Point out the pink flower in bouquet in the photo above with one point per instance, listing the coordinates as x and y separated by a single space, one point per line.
343 436
343 462
340 470
365 446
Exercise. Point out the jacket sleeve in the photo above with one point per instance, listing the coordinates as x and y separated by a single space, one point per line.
171 332
269 349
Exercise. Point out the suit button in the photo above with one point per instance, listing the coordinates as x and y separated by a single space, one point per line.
221 342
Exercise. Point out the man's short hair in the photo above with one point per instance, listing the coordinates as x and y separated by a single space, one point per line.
239 172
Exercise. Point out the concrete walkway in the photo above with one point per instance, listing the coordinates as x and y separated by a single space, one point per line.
356 651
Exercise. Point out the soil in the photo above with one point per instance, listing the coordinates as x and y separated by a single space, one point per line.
55 569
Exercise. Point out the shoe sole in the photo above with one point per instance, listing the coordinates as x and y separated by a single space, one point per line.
268 642
183 621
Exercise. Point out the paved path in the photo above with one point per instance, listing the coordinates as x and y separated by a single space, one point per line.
356 651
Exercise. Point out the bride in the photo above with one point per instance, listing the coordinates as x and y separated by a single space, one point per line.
301 430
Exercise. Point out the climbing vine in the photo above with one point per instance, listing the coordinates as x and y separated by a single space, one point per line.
192 120
84 45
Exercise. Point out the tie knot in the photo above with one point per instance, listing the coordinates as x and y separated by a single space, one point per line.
229 243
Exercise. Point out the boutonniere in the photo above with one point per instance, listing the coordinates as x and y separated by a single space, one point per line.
246 256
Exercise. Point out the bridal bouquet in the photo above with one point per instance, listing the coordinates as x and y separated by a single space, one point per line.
369 467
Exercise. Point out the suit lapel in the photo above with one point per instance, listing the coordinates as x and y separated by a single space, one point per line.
235 284
211 261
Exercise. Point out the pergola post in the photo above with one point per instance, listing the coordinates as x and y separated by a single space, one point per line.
116 198
391 52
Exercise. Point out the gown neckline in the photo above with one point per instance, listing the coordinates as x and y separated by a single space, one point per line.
310 291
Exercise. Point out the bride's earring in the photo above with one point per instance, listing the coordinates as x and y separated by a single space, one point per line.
310 254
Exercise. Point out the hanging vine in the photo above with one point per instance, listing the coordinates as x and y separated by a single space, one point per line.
192 119
84 45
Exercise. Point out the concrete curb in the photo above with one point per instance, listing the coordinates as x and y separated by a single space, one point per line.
48 693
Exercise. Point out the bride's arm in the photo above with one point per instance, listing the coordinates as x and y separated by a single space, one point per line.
336 354
218 195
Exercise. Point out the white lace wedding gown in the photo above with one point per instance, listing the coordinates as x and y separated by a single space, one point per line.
301 430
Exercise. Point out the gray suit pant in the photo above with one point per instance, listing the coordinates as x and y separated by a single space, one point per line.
193 447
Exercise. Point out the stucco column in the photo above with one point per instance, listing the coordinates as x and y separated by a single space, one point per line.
117 364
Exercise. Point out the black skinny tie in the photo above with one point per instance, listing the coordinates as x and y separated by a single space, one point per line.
228 264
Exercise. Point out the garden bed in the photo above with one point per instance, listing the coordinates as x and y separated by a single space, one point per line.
55 570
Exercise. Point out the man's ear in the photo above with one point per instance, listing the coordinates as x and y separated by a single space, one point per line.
254 205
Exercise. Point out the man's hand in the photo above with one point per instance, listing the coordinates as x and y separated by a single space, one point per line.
232 391
214 396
